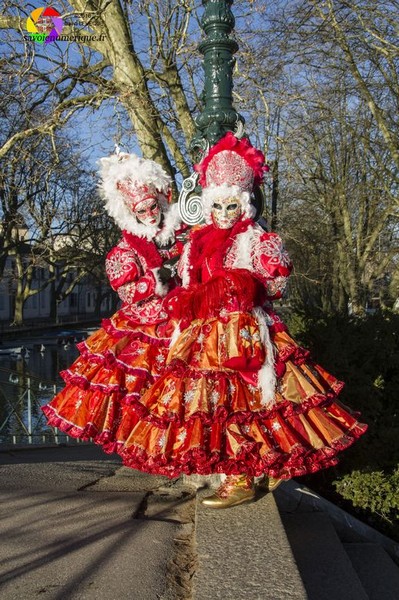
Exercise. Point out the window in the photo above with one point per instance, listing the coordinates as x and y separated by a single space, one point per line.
73 300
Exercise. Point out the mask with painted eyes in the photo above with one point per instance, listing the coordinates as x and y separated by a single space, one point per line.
226 212
148 212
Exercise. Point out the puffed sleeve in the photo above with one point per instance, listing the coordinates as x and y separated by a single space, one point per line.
126 277
272 264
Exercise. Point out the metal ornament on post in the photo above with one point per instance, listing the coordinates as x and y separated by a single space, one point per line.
190 206
218 115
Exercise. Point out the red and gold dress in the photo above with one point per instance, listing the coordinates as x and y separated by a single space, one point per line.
238 394
123 358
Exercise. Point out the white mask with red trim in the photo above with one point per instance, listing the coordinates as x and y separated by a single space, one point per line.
148 212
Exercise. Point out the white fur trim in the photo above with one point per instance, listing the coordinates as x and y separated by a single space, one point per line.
267 381
171 222
175 335
160 288
114 169
184 264
242 250
212 193
241 255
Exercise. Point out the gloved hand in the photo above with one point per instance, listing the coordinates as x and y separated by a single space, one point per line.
168 269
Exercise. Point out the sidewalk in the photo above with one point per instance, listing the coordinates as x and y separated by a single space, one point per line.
71 527
76 525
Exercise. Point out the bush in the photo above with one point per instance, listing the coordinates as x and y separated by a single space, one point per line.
365 354
376 495
375 491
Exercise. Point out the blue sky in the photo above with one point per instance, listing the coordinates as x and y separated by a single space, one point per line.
95 132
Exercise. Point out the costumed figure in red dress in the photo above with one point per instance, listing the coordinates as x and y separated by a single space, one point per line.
123 358
239 396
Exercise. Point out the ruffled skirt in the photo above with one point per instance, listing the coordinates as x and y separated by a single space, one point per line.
116 365
207 412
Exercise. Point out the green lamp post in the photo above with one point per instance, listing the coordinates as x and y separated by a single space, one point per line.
218 115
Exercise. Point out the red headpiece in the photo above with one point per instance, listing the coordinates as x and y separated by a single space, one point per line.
232 161
134 192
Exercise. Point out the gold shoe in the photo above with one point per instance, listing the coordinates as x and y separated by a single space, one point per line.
236 489
273 483
269 484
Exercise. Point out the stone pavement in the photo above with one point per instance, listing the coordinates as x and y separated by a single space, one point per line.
76 525
71 528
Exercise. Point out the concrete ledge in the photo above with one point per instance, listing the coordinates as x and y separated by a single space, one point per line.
324 565
243 552
294 495
377 572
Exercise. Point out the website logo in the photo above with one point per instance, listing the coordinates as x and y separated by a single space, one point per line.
44 25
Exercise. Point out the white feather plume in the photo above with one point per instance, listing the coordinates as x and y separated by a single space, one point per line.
117 168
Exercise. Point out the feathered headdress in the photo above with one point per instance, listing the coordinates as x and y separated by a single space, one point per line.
127 180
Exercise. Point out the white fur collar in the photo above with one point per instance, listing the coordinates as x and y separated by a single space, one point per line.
171 222
241 253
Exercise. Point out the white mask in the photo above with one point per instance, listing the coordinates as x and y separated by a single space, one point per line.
226 212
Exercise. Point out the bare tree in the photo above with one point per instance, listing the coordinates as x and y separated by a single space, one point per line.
316 81
335 178
52 220
110 65
366 34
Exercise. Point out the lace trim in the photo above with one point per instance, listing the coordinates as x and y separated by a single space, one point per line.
88 432
275 464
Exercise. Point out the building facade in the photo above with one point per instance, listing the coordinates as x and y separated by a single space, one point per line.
83 302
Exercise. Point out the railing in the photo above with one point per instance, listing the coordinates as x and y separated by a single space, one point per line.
29 325
21 418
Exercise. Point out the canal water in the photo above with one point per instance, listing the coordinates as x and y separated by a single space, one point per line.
29 378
